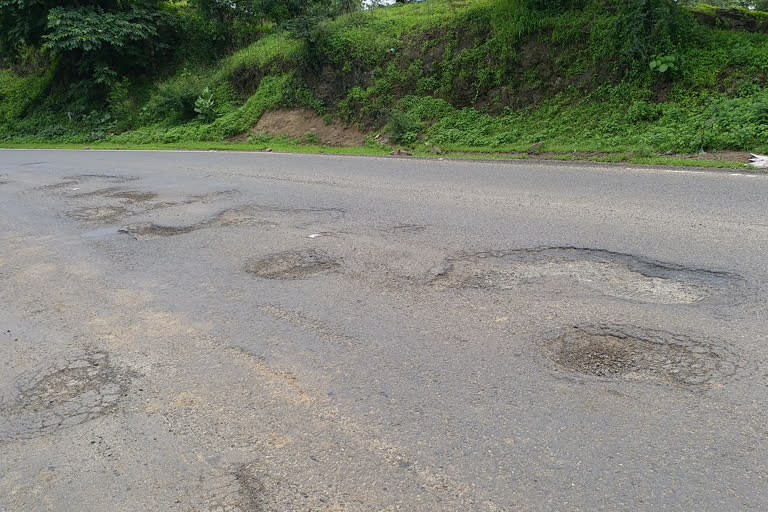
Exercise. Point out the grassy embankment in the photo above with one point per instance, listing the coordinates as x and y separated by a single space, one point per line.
472 78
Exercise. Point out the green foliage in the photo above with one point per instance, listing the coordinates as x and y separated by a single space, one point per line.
94 40
121 105
664 63
18 93
264 53
205 106
173 101
474 75
403 128
644 28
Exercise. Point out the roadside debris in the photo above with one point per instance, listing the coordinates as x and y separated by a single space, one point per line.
759 161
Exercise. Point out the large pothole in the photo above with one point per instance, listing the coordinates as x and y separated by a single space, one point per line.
68 392
613 274
628 353
292 264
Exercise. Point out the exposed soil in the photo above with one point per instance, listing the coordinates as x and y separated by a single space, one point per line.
728 156
617 352
298 123
292 264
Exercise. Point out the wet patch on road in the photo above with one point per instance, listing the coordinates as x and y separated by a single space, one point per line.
634 354
296 264
65 393
612 274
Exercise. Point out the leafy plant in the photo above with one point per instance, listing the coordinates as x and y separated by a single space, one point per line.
664 63
205 106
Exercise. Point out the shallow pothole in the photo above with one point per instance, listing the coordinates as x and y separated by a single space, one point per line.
292 264
62 394
628 353
247 215
613 274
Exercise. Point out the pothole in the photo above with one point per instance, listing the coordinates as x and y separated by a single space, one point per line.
131 195
242 215
627 353
109 178
613 274
111 213
230 217
405 228
69 392
292 264
79 179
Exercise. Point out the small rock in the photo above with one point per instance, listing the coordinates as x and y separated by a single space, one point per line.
535 147
400 152
268 150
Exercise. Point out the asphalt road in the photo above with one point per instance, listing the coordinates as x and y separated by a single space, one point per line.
201 331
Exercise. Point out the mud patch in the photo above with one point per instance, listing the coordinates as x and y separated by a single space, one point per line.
613 274
292 264
66 393
628 353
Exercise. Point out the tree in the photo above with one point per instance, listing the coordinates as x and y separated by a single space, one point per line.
97 37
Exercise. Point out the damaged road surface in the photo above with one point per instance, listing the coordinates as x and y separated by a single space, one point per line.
210 332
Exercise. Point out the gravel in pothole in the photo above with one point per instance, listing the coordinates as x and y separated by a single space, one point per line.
620 352
292 264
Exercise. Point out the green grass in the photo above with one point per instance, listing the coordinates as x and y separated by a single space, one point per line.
467 76
288 146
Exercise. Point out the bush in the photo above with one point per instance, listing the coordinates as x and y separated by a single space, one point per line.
403 128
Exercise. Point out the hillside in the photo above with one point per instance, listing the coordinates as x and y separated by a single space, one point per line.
614 80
